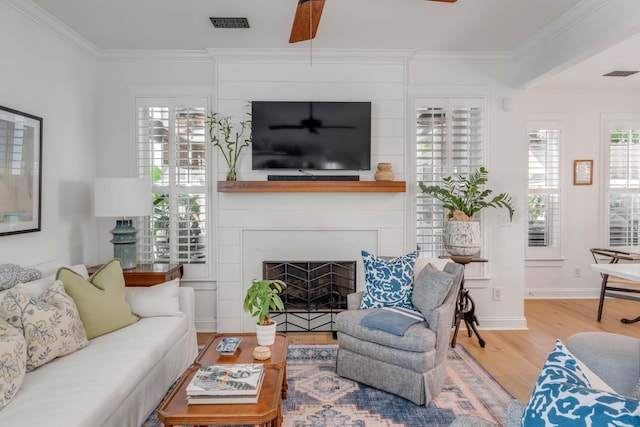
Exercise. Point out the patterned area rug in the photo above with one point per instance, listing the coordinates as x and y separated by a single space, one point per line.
319 398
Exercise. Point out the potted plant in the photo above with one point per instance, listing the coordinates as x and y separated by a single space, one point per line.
233 139
463 197
262 298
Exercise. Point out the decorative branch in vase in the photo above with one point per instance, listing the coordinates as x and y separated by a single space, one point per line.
232 140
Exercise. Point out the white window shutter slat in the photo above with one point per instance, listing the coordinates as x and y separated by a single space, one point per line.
624 186
544 193
172 150
449 141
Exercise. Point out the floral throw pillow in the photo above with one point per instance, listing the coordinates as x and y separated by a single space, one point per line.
563 396
388 283
12 274
50 323
13 358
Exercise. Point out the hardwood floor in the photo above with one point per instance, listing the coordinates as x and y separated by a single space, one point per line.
514 358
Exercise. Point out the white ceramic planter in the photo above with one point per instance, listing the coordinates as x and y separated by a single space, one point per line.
462 238
266 334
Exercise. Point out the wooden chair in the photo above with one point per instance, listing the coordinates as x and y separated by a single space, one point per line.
615 287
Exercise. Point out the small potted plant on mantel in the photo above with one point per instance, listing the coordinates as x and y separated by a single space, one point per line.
262 298
463 197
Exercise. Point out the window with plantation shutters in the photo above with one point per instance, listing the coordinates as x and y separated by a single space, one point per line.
543 235
171 147
449 141
624 184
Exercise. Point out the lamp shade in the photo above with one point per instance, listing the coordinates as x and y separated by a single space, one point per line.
122 197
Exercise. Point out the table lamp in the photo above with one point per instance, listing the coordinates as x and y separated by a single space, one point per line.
125 198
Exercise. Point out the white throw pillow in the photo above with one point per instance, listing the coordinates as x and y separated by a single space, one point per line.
13 360
156 300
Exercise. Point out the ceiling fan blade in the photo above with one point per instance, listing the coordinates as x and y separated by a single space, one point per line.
307 10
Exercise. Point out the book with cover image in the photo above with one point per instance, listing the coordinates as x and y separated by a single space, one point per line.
228 345
227 380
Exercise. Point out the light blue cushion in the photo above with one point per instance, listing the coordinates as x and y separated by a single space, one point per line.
388 283
563 396
395 320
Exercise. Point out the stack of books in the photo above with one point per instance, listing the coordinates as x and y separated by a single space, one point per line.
226 383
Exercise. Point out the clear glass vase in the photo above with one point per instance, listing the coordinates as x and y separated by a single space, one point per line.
232 175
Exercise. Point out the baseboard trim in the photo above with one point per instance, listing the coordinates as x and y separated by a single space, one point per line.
501 323
206 325
568 293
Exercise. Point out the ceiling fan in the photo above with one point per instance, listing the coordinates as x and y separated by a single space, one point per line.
307 18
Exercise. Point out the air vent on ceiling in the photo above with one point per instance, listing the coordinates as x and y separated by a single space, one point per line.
230 22
619 74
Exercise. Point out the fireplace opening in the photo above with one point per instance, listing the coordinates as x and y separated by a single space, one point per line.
316 291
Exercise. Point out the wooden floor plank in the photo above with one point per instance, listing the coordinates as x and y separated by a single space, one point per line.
514 358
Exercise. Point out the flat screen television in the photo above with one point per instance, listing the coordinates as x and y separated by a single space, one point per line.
311 135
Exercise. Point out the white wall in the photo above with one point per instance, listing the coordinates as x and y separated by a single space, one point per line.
354 221
43 76
119 82
583 224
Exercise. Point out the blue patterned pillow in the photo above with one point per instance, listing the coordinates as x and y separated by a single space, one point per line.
388 283
563 396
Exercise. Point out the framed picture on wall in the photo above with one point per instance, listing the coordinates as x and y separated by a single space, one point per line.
582 172
20 171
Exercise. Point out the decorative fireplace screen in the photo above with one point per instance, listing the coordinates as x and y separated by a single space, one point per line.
316 291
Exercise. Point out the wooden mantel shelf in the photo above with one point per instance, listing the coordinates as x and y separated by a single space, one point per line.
312 186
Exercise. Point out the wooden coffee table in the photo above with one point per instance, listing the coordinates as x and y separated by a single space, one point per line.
174 410
266 413
244 353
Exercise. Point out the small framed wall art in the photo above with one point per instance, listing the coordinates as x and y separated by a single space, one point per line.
20 171
582 172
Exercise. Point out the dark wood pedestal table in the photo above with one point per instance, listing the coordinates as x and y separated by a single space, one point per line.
465 309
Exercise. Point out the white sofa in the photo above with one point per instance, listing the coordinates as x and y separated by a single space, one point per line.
117 380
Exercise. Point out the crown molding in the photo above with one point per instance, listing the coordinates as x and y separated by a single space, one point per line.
480 57
127 55
544 37
307 55
559 26
53 25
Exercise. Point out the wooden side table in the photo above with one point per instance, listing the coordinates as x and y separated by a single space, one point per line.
148 274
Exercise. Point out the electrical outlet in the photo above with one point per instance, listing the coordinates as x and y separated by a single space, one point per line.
497 294
577 272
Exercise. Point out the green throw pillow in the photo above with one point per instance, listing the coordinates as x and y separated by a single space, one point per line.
100 300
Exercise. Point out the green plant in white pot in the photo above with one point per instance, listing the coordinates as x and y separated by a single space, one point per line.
463 197
260 300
